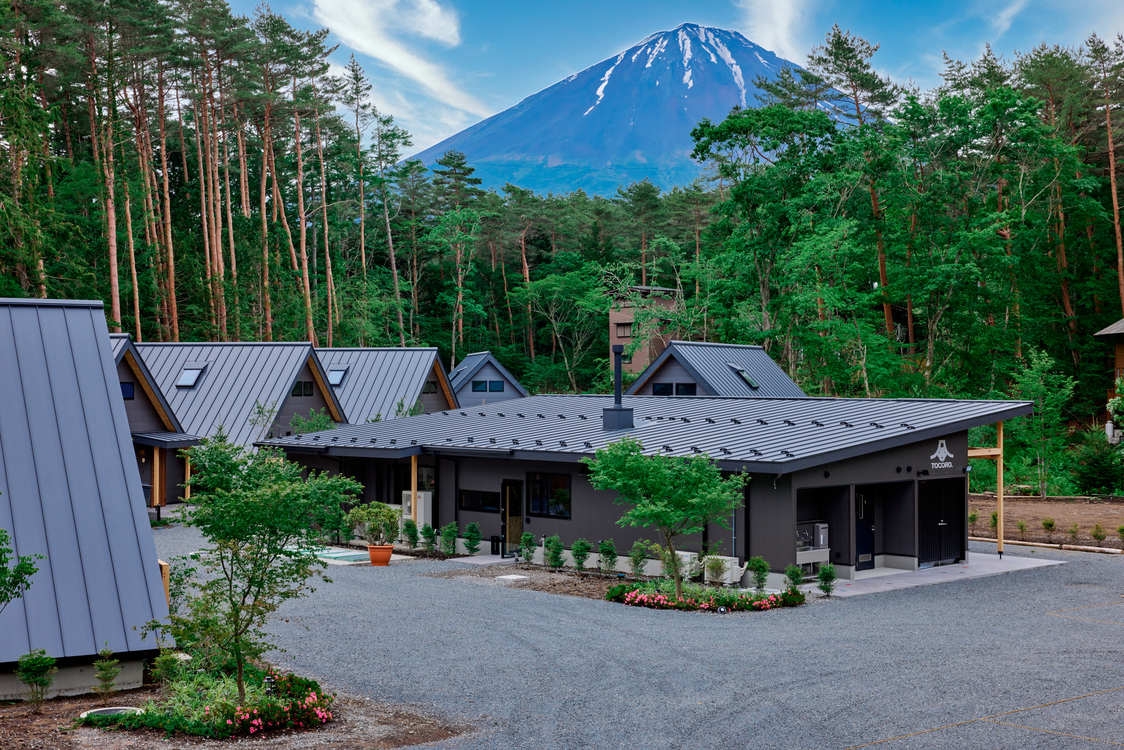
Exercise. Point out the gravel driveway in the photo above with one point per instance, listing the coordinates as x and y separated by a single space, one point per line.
1022 660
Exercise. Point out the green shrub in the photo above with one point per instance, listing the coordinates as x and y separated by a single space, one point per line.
1098 533
616 593
1096 465
795 576
1120 533
449 539
1048 526
660 594
527 546
973 516
994 520
36 670
759 568
1073 531
826 577
1021 525
377 523
638 557
166 667
472 538
106 670
410 530
607 550
429 538
792 598
579 550
552 549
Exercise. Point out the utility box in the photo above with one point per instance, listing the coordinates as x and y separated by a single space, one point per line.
425 507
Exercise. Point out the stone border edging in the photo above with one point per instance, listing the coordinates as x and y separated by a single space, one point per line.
1044 545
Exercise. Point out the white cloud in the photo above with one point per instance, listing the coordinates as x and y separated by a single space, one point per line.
779 25
373 28
1002 20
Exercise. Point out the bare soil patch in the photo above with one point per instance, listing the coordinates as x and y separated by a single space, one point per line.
359 724
1085 512
590 585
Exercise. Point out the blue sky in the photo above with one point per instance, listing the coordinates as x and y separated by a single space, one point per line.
439 66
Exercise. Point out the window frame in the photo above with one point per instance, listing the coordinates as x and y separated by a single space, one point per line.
669 387
189 376
535 480
479 386
128 390
336 380
681 389
482 506
492 386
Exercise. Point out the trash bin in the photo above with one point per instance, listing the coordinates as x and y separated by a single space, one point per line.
495 542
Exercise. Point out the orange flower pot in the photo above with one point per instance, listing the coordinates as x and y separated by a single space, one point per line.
380 553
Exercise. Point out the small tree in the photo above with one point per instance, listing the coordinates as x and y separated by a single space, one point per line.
1048 525
973 516
263 520
1073 532
36 670
106 669
607 552
429 538
472 538
1120 533
826 576
638 556
527 546
552 551
795 576
759 568
579 550
676 496
1098 534
1021 526
410 531
316 421
449 539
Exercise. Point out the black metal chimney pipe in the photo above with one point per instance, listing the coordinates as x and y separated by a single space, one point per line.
617 417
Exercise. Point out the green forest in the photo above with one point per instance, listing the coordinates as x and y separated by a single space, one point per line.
209 178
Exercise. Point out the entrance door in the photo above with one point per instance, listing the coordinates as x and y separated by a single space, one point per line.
511 520
940 525
864 532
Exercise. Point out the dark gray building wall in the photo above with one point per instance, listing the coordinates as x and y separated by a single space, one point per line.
466 397
435 399
772 521
671 372
139 410
297 405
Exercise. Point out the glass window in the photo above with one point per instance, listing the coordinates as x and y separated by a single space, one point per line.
302 388
548 494
430 386
483 502
128 391
741 373
189 376
685 389
335 376
495 386
624 330
479 386
662 389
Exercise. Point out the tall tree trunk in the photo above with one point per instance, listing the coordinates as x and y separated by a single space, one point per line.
527 281
169 249
306 287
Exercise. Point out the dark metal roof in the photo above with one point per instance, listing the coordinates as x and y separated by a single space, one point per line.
237 377
123 347
170 440
463 373
70 487
380 380
715 369
759 435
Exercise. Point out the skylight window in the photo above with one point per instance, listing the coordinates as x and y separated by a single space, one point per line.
189 376
335 376
741 372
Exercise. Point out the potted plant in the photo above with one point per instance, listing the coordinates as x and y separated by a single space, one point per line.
377 523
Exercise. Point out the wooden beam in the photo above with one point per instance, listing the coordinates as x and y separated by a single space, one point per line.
414 487
187 478
999 488
166 579
985 452
158 499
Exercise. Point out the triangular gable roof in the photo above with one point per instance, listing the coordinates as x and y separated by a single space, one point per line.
70 487
124 350
378 379
757 435
463 373
1114 330
236 379
715 368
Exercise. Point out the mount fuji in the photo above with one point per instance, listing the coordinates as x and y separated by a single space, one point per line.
623 120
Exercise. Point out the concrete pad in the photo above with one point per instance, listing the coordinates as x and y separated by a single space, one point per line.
512 578
485 560
978 565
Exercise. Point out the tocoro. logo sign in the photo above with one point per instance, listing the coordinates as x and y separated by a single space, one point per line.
942 457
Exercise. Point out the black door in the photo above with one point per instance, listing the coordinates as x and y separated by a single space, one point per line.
864 532
940 522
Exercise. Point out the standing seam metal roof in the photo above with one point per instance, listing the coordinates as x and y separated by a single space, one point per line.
122 344
759 434
238 377
471 364
378 379
70 487
710 365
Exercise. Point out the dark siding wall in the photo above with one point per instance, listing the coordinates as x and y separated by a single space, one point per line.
670 372
139 410
772 521
468 398
174 476
432 402
297 406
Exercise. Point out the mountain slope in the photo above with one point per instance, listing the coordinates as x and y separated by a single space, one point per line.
627 118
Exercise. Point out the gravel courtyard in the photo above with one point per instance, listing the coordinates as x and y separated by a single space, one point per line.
1031 659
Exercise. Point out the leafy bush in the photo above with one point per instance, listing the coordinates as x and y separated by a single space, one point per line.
994 520
429 538
527 546
973 516
410 531
617 592
1048 525
661 595
1021 526
607 551
759 568
472 538
1073 531
377 523
449 539
552 549
826 576
638 557
166 667
1095 465
580 550
1120 533
1097 533
36 670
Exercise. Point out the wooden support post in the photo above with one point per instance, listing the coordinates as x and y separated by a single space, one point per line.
158 499
999 489
414 487
187 478
166 578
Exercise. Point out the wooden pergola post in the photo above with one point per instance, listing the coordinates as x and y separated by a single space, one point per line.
995 454
414 487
